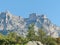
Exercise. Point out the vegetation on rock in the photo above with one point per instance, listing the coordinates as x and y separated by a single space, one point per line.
13 39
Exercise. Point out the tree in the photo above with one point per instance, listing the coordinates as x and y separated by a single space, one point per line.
31 32
58 41
11 38
50 41
41 35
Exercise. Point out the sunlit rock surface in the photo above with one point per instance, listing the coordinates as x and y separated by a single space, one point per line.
18 24
34 43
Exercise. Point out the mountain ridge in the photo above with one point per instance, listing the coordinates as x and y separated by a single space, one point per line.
20 25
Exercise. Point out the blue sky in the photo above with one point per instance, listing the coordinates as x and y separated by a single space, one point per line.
51 8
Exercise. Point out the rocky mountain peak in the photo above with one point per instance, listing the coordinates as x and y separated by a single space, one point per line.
43 16
9 22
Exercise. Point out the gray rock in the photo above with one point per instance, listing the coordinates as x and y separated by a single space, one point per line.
34 43
9 22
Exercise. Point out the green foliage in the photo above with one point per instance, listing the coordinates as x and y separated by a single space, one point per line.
58 40
50 41
40 37
13 39
41 34
31 33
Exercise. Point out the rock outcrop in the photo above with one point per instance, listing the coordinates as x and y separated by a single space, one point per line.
9 22
34 43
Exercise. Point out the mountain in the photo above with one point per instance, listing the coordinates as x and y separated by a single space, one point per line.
10 22
43 21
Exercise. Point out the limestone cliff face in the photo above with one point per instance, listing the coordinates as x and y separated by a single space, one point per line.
43 21
9 22
2 21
